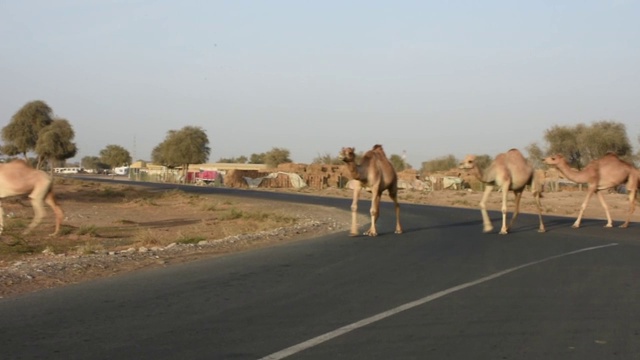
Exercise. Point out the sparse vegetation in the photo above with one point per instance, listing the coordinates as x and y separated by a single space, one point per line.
147 237
18 247
65 230
210 207
461 202
86 249
125 222
232 214
110 192
190 239
90 230
15 225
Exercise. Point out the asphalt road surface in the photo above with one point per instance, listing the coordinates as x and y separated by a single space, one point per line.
441 290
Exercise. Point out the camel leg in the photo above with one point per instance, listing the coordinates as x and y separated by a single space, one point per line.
38 209
632 187
375 212
51 201
394 197
354 210
576 224
1 218
606 210
486 222
505 193
632 208
517 209
541 229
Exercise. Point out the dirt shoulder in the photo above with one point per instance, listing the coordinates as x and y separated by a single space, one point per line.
114 229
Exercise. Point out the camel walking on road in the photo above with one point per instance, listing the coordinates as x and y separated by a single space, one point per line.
511 172
375 171
604 173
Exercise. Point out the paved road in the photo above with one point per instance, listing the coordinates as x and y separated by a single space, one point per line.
442 290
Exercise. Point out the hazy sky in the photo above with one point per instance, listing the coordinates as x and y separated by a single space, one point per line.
431 78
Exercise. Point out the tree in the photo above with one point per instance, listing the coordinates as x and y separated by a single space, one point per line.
114 156
161 153
21 134
442 163
55 142
234 160
190 145
93 163
603 137
257 158
398 162
581 143
327 159
10 150
535 155
271 158
636 156
276 156
564 140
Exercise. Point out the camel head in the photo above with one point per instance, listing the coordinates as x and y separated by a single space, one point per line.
554 159
347 154
468 163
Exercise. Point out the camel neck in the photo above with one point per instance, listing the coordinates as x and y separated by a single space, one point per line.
478 173
355 170
569 173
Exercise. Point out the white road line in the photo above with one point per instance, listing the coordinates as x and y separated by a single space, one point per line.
370 320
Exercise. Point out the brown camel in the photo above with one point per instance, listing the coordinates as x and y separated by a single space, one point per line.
604 173
509 171
376 172
18 178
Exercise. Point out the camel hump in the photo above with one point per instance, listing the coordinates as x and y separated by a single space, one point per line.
615 155
19 162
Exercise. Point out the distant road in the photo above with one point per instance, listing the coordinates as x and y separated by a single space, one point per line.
442 290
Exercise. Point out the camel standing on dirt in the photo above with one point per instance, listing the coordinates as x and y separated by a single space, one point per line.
376 172
511 172
604 173
18 178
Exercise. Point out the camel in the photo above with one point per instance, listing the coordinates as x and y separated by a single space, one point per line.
509 171
376 172
18 178
604 173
